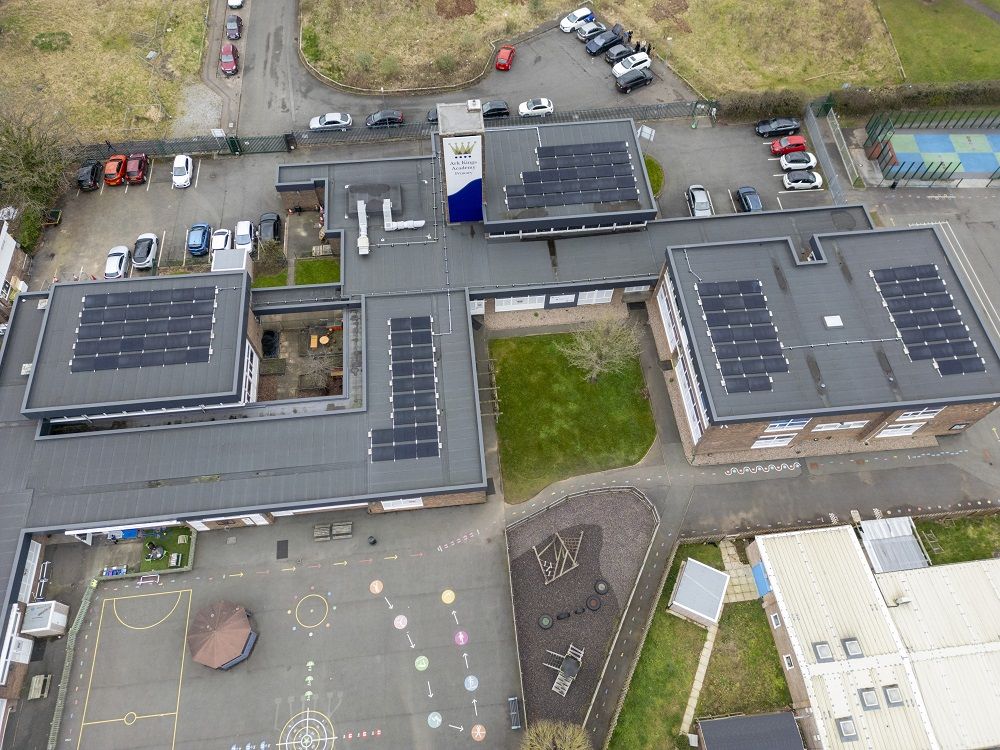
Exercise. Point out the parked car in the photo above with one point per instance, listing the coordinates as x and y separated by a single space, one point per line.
114 170
244 236
199 238
234 27
589 30
495 108
385 118
117 264
331 121
535 107
802 180
618 52
576 19
269 228
229 60
182 171
638 61
787 145
88 176
797 160
777 126
144 251
136 168
603 42
505 57
222 239
234 4
432 115
633 79
748 200
699 201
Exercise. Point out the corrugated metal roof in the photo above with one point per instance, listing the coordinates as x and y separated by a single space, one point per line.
962 694
892 544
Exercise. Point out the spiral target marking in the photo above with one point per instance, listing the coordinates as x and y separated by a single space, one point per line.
308 730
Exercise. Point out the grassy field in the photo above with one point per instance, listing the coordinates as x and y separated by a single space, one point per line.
554 424
655 171
317 271
974 538
275 279
87 61
654 707
944 40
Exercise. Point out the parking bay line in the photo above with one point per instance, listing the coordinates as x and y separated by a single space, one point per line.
197 173
149 175
733 202
810 190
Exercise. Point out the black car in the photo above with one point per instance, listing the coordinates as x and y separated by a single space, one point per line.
385 118
748 200
495 109
603 42
633 79
269 228
234 27
88 177
777 126
618 52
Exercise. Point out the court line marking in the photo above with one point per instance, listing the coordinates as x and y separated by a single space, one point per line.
122 718
180 678
114 607
93 664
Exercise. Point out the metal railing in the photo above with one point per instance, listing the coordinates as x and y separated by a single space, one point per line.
823 156
845 154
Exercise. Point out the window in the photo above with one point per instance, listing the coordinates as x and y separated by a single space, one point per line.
852 648
823 651
959 426
847 729
869 698
787 424
562 299
502 304
643 288
773 441
921 414
775 620
893 695
789 662
596 297
828 426
901 430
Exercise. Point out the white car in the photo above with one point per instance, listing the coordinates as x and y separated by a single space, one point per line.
797 160
331 121
117 264
535 107
182 171
235 3
802 180
638 61
576 19
244 236
699 201
222 239
144 251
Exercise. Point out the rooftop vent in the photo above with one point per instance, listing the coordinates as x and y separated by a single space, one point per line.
475 105
43 303
26 368
362 229
833 321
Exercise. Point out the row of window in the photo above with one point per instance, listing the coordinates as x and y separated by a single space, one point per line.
798 423
537 301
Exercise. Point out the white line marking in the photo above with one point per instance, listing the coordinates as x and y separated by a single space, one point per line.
149 175
778 198
731 200
808 190
197 173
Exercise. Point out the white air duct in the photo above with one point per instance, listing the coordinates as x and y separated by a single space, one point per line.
362 229
392 226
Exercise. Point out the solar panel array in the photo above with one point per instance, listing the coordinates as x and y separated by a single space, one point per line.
744 339
923 312
413 396
122 330
574 174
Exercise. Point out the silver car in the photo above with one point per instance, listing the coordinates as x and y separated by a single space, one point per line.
699 201
117 264
331 121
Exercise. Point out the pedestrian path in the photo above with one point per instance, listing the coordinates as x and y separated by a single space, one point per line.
699 678
741 584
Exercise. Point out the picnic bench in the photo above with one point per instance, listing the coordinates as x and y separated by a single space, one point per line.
325 532
176 560
39 687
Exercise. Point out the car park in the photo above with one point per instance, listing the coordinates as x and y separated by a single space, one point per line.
748 200
633 79
802 180
198 239
244 236
638 61
222 239
699 201
385 118
603 42
787 145
88 176
144 251
136 168
114 170
536 107
229 60
182 171
797 160
269 228
234 27
117 264
618 52
505 57
331 121
777 126
576 19
589 30
494 109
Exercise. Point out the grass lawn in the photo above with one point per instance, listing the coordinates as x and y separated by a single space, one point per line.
973 538
317 271
945 40
169 543
275 279
655 174
745 673
554 424
86 61
654 707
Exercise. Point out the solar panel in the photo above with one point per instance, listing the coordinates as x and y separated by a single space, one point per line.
516 204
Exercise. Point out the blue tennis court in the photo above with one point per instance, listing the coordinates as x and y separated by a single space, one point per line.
977 154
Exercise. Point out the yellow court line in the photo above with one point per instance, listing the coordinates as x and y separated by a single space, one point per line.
180 679
152 593
86 700
122 719
114 606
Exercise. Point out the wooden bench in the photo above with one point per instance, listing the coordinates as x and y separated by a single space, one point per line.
176 560
39 686
324 532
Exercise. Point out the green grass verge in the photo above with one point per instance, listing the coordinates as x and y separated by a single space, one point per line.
317 271
554 424
273 279
973 538
169 543
655 173
943 41
654 706
745 673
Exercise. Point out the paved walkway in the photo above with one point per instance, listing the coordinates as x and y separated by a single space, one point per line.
699 678
741 584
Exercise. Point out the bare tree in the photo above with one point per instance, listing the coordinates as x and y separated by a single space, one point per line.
555 735
606 346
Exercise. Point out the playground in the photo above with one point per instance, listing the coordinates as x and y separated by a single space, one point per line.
977 154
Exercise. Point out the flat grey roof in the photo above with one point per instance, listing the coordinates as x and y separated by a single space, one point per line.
839 370
55 390
892 544
776 731
700 590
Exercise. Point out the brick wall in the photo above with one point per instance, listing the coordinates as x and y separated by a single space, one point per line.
437 501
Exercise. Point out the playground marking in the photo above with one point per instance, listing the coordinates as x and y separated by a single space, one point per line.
326 611
114 608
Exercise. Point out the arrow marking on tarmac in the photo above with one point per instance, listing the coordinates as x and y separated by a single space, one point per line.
429 693
460 729
474 707
466 657
412 644
387 601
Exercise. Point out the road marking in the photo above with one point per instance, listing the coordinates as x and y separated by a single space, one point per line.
809 190
149 174
197 173
778 198
733 203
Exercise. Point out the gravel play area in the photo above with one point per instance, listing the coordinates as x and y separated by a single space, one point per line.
617 527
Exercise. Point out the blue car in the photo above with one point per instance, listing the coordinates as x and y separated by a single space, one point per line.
199 239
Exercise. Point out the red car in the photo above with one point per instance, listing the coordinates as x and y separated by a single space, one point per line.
136 168
505 57
787 145
114 170
229 60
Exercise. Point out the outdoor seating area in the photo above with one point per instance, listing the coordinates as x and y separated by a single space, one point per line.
146 550
303 356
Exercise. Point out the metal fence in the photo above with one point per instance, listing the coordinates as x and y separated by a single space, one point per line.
972 119
823 156
845 154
